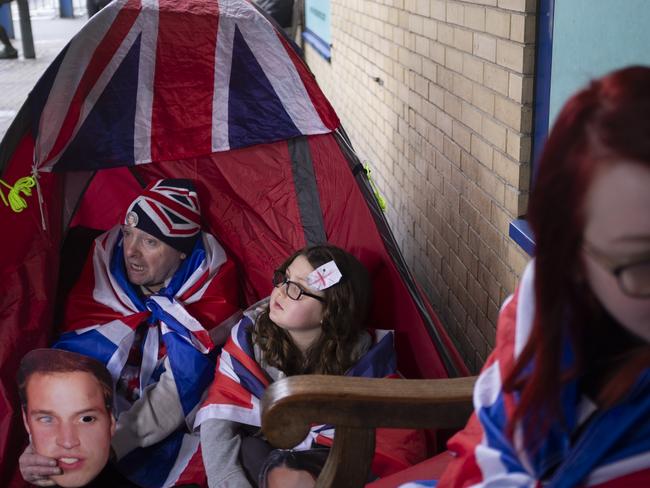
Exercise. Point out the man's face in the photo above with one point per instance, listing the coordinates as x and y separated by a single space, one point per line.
148 261
67 419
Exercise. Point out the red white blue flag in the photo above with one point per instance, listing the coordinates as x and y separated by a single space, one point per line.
133 87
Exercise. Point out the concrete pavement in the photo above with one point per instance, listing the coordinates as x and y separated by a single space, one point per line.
17 77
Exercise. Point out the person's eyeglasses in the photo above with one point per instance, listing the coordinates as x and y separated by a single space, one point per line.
293 290
633 277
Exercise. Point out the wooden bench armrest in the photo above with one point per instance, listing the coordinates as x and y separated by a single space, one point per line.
355 407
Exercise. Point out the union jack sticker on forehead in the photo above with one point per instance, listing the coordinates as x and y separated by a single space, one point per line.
324 276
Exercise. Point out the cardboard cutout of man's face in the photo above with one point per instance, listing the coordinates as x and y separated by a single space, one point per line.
67 420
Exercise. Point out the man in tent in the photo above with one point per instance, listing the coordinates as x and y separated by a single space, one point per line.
147 305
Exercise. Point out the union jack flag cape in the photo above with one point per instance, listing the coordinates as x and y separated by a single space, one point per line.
240 382
102 315
612 449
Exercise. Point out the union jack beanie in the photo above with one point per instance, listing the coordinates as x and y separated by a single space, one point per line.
168 210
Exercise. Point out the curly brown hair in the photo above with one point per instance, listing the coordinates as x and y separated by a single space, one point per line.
345 310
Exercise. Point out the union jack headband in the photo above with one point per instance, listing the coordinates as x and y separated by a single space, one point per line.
168 210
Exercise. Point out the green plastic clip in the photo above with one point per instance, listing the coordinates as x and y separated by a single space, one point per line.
380 199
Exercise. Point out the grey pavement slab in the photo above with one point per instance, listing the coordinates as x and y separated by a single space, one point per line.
18 77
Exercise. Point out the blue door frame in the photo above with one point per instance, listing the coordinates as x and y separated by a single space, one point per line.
520 231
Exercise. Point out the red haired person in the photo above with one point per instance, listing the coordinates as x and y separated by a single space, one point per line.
564 400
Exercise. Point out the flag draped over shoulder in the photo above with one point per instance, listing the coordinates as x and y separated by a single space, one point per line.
612 449
104 312
240 382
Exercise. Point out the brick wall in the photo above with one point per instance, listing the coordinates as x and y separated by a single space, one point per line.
437 96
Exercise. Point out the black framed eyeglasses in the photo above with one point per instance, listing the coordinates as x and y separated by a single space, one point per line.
292 289
633 277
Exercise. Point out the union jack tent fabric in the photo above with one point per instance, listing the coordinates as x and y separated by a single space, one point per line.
207 90
166 69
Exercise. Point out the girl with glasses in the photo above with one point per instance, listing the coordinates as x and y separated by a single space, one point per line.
564 400
314 322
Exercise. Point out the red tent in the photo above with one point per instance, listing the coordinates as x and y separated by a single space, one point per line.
202 89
